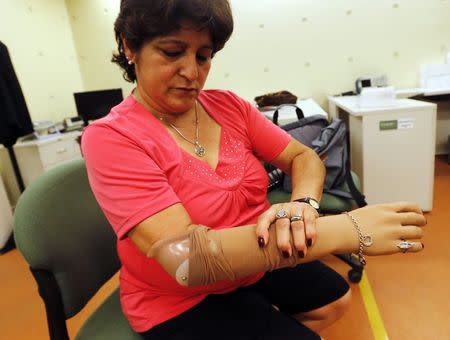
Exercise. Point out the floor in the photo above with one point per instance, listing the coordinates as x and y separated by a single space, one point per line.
400 297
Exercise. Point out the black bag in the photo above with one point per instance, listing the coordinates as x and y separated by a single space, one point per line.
329 140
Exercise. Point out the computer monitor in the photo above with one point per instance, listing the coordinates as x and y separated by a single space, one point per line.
92 105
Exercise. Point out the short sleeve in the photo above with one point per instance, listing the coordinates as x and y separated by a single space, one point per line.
267 139
127 183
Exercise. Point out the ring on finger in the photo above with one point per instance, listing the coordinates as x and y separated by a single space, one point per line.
281 214
404 245
296 217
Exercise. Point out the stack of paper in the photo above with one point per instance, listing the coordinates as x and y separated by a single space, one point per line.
435 76
377 97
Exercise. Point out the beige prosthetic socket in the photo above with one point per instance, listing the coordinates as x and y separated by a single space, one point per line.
203 256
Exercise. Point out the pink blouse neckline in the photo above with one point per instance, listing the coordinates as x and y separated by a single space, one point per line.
182 151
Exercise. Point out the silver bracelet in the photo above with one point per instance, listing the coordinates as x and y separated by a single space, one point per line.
364 240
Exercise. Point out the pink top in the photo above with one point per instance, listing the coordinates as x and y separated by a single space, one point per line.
136 169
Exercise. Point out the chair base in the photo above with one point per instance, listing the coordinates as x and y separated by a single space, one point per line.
354 274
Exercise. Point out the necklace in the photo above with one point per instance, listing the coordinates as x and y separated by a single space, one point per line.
198 148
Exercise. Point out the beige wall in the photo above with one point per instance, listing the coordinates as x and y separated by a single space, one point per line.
319 47
310 47
92 26
39 39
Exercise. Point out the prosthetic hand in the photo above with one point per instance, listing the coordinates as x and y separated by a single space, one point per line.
202 256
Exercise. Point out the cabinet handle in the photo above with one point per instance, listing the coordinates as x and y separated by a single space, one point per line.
62 150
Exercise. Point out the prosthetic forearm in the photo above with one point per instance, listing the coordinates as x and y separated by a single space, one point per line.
203 256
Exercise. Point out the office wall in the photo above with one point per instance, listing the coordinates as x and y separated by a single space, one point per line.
310 47
92 25
39 39
320 47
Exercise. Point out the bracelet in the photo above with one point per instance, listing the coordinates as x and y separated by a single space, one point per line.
364 240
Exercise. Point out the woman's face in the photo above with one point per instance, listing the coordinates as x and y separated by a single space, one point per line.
171 70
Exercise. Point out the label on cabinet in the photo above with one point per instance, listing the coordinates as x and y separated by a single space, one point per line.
397 124
406 123
388 125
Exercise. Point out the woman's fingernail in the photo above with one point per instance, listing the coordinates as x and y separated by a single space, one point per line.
423 246
301 253
309 242
285 254
261 242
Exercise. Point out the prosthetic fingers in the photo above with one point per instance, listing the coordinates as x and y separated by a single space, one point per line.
203 256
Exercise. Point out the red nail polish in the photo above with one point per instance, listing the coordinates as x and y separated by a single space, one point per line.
261 242
301 253
285 254
309 242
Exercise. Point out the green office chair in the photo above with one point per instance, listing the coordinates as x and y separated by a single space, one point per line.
71 249
330 204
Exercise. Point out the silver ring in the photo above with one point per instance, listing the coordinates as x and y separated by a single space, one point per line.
404 246
296 218
281 214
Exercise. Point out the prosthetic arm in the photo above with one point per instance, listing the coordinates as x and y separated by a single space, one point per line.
203 256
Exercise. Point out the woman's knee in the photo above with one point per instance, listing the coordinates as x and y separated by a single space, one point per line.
333 310
342 304
337 308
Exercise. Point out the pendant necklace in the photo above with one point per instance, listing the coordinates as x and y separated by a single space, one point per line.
198 148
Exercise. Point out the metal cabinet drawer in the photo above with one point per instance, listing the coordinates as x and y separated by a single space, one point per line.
59 151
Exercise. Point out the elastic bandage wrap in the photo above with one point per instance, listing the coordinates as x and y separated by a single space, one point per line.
203 256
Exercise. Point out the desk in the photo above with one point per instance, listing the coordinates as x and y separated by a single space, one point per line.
391 148
37 156
440 97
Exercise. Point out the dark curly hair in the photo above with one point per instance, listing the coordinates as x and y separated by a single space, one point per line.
140 21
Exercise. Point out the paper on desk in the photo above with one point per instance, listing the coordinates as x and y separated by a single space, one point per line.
371 97
435 76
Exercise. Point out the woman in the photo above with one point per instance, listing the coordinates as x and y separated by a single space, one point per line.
177 171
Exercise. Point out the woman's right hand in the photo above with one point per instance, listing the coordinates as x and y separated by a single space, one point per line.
388 225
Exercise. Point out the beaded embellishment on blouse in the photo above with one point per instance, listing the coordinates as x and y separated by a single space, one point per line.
230 167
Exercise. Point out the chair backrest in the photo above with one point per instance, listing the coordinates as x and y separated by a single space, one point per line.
59 228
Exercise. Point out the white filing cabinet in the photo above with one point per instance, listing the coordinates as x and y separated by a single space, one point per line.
392 149
37 156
